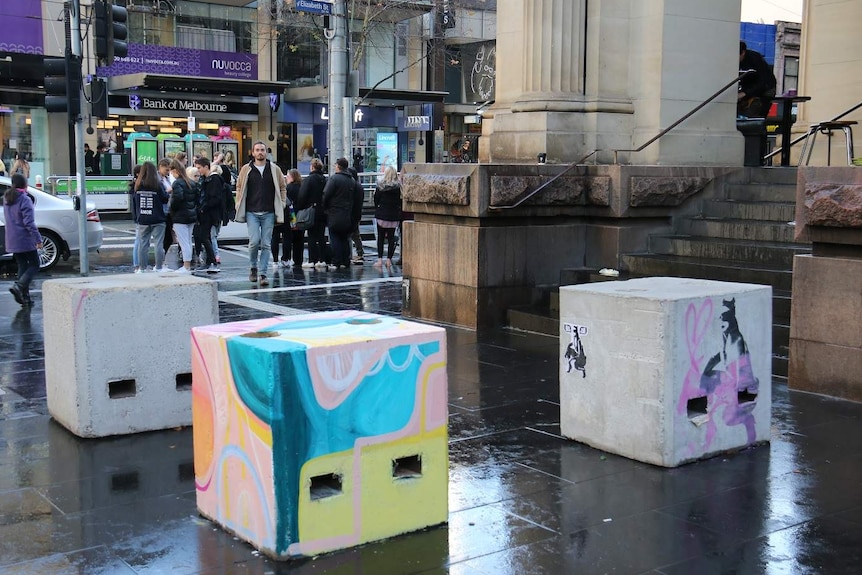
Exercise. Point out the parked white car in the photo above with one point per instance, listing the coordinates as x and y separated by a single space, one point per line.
57 220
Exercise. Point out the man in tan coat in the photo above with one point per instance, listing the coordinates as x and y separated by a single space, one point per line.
261 198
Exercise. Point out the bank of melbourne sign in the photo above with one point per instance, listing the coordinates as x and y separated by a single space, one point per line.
170 106
314 6
149 59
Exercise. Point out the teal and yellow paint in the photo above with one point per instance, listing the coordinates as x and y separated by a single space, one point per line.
300 422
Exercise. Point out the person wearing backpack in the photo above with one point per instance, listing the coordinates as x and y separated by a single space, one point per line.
210 208
184 211
149 201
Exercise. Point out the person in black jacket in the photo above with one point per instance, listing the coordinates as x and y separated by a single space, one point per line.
356 217
311 194
296 237
338 200
149 213
184 211
756 89
387 213
210 209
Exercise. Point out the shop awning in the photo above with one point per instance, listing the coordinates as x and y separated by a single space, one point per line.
168 83
369 97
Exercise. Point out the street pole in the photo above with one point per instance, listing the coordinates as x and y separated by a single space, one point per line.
80 173
337 82
347 131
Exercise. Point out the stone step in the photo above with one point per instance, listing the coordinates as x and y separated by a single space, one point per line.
535 319
780 334
772 253
753 230
782 212
765 175
647 265
779 367
756 192
781 306
575 276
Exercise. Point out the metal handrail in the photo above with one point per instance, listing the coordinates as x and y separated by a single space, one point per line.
692 112
660 134
805 135
544 185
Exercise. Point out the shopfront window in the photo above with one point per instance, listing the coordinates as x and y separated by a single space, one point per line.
24 130
195 25
374 149
301 55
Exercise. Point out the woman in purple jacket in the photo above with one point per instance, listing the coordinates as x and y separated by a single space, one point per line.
22 237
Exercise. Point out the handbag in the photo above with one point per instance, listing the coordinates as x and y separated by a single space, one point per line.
304 218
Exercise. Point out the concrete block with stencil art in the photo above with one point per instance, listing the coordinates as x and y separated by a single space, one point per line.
320 432
666 370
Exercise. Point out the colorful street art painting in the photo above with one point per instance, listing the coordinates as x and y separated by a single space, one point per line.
320 432
720 387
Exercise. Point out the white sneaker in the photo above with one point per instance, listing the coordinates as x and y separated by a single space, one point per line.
213 269
165 269
321 265
307 265
138 271
182 270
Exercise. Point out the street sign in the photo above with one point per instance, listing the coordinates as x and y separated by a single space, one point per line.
314 6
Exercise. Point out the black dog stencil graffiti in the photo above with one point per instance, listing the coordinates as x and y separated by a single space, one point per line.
575 354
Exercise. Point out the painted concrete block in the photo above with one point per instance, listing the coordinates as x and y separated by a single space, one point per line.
666 370
320 432
117 350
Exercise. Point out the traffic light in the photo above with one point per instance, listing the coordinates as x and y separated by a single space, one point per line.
110 31
63 84
99 98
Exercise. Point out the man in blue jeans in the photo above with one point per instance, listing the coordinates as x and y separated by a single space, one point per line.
261 198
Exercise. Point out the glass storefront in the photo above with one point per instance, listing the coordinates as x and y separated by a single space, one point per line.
24 130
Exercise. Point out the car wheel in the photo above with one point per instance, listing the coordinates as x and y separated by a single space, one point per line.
49 255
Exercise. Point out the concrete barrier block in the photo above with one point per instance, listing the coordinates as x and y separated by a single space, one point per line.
117 350
320 432
666 370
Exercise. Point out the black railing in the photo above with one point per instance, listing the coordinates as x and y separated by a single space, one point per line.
691 113
571 166
805 135
544 185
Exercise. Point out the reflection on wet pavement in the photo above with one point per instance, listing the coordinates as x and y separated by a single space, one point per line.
522 499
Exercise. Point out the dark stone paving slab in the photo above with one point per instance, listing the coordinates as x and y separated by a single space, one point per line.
523 500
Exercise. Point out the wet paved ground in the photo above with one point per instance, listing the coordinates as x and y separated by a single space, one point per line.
522 499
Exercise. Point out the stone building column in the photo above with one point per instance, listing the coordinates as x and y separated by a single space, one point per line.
553 55
576 76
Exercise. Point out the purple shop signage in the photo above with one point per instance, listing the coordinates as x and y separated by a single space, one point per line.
146 58
22 26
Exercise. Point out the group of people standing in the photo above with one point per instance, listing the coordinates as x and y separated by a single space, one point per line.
198 200
172 203
266 201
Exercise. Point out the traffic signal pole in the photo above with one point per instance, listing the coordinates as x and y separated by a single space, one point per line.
76 120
